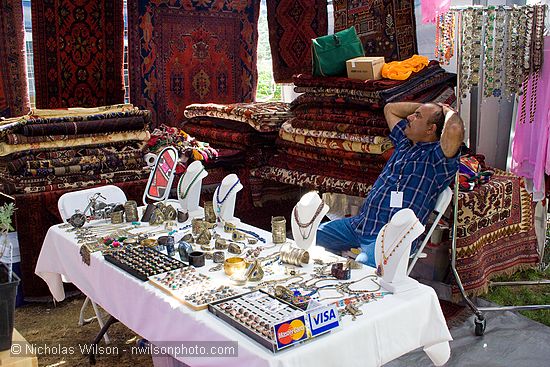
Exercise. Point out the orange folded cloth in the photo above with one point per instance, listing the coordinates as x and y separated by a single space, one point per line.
402 70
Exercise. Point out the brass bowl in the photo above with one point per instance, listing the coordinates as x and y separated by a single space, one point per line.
234 264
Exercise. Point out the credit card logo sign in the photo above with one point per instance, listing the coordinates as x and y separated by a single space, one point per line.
290 332
323 320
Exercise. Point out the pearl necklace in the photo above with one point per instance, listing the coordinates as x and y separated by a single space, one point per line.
190 185
308 224
380 267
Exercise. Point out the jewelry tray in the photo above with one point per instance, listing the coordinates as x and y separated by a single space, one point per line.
171 262
268 343
182 293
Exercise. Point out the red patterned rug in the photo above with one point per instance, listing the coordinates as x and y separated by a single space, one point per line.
78 52
495 233
191 52
292 25
386 27
14 100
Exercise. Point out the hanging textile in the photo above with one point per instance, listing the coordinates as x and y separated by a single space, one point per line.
292 25
431 9
529 147
188 52
386 27
14 100
78 52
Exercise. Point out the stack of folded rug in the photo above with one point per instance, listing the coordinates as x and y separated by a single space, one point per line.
73 148
337 141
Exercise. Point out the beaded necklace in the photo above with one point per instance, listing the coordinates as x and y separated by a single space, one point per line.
380 267
220 202
190 185
308 224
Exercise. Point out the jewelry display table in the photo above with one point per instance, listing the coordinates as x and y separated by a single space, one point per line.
388 328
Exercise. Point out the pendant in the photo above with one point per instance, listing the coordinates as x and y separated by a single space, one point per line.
379 270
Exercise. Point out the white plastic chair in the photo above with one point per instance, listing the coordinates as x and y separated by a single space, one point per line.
67 205
443 201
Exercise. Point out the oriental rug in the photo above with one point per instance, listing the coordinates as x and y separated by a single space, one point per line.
183 52
78 52
14 99
386 27
292 25
495 233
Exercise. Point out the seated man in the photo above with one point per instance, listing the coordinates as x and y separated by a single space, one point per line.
427 138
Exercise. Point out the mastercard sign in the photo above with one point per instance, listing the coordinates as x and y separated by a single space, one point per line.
290 332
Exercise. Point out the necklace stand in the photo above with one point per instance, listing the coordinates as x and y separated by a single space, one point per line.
397 237
189 189
225 197
307 209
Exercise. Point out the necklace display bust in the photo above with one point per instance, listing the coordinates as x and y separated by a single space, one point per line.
393 246
225 197
305 219
189 189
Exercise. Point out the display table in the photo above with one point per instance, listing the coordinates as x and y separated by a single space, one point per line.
34 215
7 359
387 329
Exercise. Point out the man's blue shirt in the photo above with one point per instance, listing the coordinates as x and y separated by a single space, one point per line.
421 171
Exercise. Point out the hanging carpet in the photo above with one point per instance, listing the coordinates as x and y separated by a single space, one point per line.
184 52
78 52
386 27
292 25
14 100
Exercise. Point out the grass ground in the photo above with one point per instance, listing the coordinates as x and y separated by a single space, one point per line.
526 295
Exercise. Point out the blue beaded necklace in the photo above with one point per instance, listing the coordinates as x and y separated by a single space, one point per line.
220 202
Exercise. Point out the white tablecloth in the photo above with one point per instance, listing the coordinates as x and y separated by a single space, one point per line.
388 328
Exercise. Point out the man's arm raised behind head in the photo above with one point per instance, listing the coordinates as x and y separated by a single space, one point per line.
395 112
453 132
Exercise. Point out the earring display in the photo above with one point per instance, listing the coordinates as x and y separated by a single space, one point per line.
142 262
255 314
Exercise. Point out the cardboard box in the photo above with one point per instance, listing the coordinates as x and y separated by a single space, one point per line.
365 68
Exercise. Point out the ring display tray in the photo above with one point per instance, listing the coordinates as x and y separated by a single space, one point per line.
142 262
254 314
192 288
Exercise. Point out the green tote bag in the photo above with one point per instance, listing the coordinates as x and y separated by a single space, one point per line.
330 53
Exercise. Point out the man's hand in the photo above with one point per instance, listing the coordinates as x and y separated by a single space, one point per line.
397 111
453 131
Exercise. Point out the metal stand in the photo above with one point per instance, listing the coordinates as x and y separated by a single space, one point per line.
480 322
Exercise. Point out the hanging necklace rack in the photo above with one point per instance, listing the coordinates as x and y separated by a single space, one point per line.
480 321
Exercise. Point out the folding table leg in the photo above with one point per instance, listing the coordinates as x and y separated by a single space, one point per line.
102 332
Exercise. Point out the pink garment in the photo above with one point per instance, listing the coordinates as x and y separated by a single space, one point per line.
432 8
530 151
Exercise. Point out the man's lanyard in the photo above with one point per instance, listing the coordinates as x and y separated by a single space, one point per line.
396 197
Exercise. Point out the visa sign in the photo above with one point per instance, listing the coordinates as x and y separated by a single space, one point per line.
323 319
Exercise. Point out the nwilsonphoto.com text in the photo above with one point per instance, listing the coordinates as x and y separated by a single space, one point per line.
174 349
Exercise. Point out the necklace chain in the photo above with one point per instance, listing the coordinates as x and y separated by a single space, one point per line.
384 257
309 224
190 185
218 201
